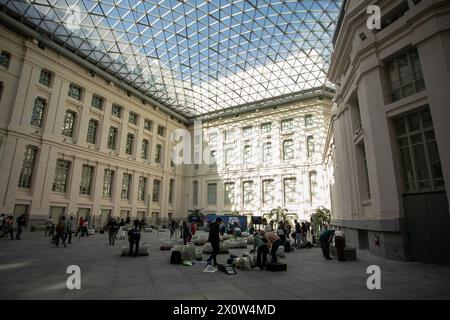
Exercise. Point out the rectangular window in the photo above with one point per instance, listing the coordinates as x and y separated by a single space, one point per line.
288 149
112 138
309 121
195 193
61 176
312 186
75 92
156 190
310 146
267 152
116 111
212 194
287 125
289 190
87 176
130 143
148 125
5 58
171 190
229 157
405 75
228 135
247 131
266 128
126 184
142 188
229 193
92 131
212 159
247 154
46 77
133 118
158 155
268 191
37 118
69 123
108 180
26 174
144 150
247 192
421 164
161 131
97 102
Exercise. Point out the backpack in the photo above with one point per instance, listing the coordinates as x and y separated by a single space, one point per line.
175 257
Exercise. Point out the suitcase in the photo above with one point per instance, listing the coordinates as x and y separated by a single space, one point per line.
274 267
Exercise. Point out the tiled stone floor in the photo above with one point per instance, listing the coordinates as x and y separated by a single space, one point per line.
32 269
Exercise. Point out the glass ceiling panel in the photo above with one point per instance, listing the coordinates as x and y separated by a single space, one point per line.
196 56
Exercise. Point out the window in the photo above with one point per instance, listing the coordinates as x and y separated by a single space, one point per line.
142 190
116 111
5 58
61 176
97 102
112 138
247 154
195 193
126 183
212 194
144 150
247 192
161 131
247 131
46 77
228 135
268 191
228 157
229 193
289 190
133 118
419 154
108 180
405 75
148 125
129 145
212 159
287 125
75 92
312 186
267 152
26 174
266 128
158 155
156 190
309 121
310 146
69 123
92 131
288 149
87 175
37 118
171 190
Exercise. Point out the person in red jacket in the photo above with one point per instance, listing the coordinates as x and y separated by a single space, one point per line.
80 226
193 228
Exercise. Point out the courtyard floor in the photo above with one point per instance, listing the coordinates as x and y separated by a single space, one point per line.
33 269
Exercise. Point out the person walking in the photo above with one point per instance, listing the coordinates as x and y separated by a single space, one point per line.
325 239
60 231
21 223
112 227
134 236
214 239
80 227
274 243
193 228
185 233
261 248
49 226
281 232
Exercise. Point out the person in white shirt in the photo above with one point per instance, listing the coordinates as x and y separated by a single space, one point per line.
339 242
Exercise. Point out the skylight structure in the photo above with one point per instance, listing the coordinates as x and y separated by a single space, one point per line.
195 57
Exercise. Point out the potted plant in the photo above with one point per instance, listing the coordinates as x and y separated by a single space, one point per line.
320 218
278 215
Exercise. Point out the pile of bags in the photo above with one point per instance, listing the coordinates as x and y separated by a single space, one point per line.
246 262
167 244
250 240
200 240
207 248
187 252
236 243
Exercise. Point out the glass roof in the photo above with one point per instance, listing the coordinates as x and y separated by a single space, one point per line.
196 56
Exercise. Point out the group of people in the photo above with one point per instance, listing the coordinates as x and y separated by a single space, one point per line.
7 226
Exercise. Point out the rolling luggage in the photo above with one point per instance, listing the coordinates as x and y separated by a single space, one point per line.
275 267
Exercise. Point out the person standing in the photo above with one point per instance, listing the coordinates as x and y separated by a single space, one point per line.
325 239
48 227
185 233
274 242
339 242
298 235
8 227
134 236
214 239
112 227
60 232
69 225
281 232
193 228
262 250
172 228
20 221
80 226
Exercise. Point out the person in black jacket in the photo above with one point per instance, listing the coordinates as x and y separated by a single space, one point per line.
214 239
112 227
134 236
